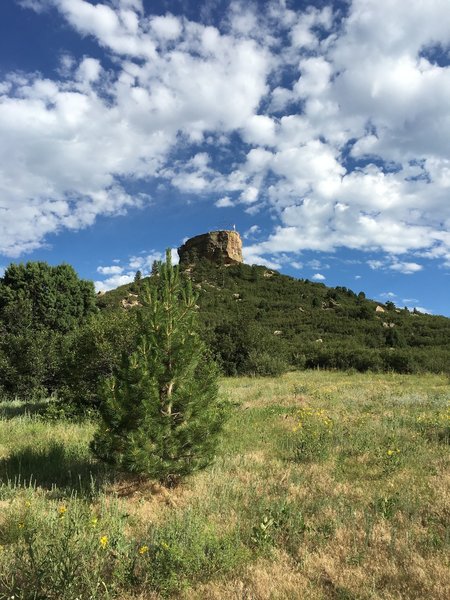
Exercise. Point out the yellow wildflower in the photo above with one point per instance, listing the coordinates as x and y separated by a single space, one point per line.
390 452
94 521
104 541
143 550
62 510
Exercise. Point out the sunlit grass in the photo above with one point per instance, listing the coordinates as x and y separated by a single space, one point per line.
355 509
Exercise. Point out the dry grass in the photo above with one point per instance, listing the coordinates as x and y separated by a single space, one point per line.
368 519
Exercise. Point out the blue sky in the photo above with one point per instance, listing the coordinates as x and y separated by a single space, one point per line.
320 129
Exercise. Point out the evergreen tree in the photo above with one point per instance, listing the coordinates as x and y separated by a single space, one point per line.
156 265
161 414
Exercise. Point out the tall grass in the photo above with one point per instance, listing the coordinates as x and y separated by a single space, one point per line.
326 485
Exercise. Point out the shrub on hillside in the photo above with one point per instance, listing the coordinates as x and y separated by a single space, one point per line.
265 363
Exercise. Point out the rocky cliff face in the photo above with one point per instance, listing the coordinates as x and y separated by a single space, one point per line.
222 247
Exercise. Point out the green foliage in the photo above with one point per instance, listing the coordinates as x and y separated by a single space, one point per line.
312 434
30 362
435 425
70 552
263 362
241 306
161 415
187 548
39 306
92 354
38 296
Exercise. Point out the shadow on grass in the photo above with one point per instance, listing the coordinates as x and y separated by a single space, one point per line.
11 410
54 468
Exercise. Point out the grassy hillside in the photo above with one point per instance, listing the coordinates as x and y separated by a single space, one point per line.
326 486
252 316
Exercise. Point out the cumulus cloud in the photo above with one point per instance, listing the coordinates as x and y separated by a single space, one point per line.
112 282
252 231
392 263
224 202
69 144
341 125
112 270
318 277
117 275
406 268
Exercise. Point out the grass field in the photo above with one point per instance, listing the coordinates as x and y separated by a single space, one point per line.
326 486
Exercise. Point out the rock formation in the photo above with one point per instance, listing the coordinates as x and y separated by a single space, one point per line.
222 247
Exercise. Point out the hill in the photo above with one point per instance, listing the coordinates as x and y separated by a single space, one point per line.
259 321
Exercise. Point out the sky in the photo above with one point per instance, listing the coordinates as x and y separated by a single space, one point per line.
319 129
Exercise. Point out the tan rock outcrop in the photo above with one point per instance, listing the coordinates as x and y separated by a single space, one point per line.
222 247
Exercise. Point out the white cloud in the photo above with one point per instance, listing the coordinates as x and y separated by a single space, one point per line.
389 295
375 264
407 268
166 28
224 202
111 270
252 258
54 132
366 85
118 275
393 264
318 277
252 231
89 70
260 130
36 5
113 282
317 264
419 309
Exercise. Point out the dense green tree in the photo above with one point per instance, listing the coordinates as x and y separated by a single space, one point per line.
36 295
161 414
92 353
39 306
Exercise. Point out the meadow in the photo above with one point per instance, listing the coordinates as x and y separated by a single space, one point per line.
326 485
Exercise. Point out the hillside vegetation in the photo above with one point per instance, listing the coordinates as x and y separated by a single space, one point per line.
258 321
325 486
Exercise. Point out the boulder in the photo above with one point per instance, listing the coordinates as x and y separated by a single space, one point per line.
221 247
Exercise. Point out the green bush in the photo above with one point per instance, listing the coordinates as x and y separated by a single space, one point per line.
92 354
265 364
30 363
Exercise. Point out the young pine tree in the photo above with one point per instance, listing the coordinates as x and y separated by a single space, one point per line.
161 413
